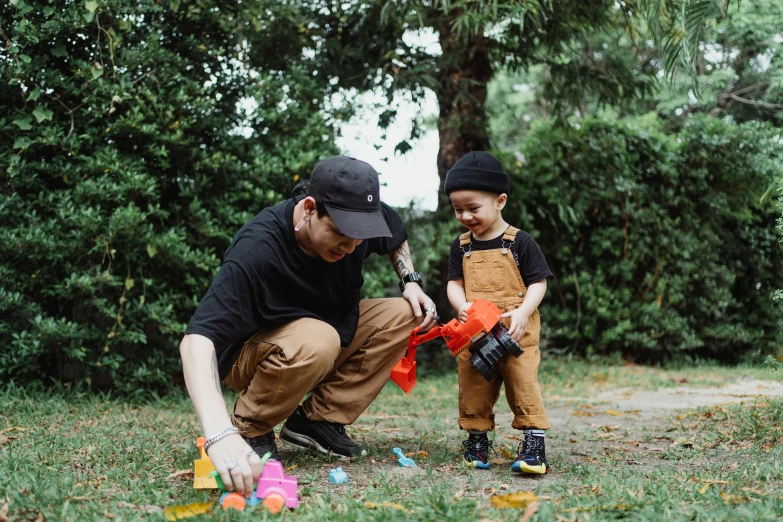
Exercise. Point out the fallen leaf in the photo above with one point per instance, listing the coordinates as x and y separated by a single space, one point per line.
289 468
732 499
459 494
40 517
614 413
506 453
13 428
498 460
187 473
586 407
393 505
4 512
516 500
190 510
573 440
530 510
704 489
421 453
581 413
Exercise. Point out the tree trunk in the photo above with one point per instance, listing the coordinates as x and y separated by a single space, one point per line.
463 72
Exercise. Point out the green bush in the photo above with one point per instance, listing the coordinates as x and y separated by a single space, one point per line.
129 156
659 245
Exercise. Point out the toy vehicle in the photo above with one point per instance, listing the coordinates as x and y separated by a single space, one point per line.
274 488
203 468
483 334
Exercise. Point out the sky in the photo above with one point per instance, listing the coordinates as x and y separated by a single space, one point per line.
404 178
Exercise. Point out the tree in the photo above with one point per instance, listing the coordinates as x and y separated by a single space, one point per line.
367 45
737 73
136 138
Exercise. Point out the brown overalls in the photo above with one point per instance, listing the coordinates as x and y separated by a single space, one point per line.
494 276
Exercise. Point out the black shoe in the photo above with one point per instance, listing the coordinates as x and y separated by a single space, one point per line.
531 454
326 437
263 444
477 451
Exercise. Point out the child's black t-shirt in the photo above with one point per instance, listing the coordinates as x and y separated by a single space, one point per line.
529 258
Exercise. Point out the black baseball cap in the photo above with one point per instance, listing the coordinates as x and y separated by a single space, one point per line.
351 192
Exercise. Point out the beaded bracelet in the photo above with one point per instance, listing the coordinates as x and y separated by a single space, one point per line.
214 438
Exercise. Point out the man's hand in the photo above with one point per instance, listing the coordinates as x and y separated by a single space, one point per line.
462 312
519 320
421 305
245 463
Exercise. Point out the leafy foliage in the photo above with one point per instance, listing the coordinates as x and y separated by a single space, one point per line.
658 242
136 138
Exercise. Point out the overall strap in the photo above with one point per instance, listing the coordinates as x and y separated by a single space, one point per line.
510 234
464 239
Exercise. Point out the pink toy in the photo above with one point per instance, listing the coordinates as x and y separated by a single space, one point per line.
276 488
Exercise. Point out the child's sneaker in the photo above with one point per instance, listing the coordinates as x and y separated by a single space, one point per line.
477 451
531 454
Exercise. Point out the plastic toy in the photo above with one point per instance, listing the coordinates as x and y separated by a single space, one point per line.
483 334
203 468
404 461
338 476
275 489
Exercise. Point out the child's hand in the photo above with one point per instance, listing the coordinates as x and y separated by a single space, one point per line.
518 323
462 313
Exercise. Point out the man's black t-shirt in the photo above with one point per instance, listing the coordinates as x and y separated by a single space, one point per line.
267 281
529 258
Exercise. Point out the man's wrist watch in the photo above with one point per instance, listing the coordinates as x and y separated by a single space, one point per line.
413 277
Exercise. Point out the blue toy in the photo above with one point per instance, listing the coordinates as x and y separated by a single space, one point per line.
404 461
338 476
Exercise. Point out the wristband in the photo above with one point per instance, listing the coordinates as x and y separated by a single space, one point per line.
214 438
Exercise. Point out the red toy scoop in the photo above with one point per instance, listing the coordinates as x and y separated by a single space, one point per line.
404 372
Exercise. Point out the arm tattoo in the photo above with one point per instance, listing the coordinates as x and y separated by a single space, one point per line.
400 259
400 268
215 373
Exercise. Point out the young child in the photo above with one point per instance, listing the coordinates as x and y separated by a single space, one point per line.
496 262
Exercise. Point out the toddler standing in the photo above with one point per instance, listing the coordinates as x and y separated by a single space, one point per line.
499 263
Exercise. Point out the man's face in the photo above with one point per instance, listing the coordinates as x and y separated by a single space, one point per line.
327 240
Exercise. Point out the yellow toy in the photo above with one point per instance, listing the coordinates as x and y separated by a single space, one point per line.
204 466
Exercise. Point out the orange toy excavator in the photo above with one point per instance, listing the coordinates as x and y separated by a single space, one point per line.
483 334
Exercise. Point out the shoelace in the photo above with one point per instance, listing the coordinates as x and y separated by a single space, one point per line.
480 445
530 446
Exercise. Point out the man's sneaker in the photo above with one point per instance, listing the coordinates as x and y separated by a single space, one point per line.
477 451
263 444
326 437
531 454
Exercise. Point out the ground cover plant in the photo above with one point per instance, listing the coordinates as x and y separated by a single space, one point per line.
71 455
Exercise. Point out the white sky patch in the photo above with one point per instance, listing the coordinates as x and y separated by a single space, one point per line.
412 177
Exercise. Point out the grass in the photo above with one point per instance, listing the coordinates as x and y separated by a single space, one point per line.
71 455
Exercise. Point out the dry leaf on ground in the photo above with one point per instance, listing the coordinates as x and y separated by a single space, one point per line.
393 505
4 512
184 473
530 510
191 510
13 428
614 413
516 500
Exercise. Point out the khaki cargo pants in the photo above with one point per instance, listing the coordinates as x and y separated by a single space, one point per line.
493 275
278 367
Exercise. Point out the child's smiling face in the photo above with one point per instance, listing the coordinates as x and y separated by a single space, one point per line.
479 211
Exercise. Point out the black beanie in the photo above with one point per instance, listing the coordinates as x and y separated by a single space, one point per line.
477 171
